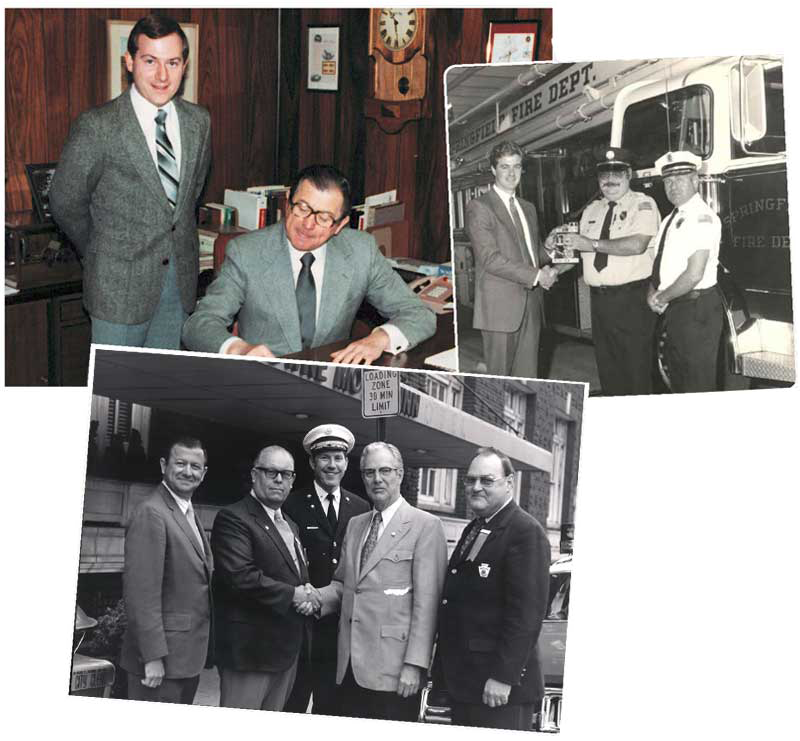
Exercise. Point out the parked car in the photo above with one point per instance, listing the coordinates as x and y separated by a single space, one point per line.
435 705
90 677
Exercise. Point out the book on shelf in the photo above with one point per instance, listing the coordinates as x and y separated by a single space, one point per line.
385 213
214 215
251 208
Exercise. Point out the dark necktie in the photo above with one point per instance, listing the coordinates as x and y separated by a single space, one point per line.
306 294
656 280
331 513
466 544
372 539
601 258
165 158
523 245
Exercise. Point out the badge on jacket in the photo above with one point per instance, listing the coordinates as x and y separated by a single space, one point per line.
483 570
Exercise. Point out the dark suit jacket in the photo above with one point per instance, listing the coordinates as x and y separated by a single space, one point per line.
502 276
323 548
492 611
107 196
257 629
167 589
256 282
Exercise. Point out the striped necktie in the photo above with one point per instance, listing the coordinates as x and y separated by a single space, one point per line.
372 538
165 158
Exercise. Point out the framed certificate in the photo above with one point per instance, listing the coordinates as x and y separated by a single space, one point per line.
514 41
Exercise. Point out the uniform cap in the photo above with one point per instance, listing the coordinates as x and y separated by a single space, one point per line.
614 158
329 437
678 163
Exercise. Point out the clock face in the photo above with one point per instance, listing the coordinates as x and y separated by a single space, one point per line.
397 27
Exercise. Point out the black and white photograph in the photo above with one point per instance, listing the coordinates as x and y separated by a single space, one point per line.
623 223
364 543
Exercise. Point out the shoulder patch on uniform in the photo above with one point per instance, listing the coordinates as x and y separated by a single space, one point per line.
705 219
646 206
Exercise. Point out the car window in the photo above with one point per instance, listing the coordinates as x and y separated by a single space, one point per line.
558 608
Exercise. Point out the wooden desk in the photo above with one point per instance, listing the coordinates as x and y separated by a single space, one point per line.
47 336
443 339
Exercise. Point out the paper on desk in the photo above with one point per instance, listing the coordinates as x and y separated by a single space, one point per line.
447 359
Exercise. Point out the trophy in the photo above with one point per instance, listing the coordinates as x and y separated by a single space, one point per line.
560 253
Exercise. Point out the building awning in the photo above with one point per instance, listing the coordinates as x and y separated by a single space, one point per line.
285 400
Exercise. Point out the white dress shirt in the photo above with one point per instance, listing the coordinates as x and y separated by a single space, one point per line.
146 115
323 498
385 518
506 198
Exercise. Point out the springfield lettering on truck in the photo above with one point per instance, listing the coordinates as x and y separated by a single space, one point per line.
532 104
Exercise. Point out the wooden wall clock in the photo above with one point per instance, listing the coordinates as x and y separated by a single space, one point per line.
399 80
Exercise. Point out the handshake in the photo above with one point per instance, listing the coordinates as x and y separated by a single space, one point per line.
307 600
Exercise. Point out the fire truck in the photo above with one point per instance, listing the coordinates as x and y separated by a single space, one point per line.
727 110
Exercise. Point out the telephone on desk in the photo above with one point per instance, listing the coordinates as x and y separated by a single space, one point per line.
435 291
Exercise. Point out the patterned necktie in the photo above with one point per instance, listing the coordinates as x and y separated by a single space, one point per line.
601 258
657 264
466 544
193 525
165 157
306 295
523 245
372 538
287 535
331 513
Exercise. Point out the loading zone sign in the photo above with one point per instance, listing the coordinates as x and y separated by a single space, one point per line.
380 393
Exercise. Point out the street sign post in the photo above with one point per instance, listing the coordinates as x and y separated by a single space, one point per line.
380 393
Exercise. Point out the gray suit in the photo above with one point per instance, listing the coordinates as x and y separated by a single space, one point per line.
256 281
108 198
508 312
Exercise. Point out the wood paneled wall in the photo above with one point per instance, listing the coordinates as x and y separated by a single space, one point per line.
56 68
252 78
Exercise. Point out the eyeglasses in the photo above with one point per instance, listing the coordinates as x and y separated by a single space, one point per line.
486 481
323 218
273 473
370 473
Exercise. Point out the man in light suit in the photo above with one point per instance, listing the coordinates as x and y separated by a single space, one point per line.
298 284
125 192
322 514
260 578
494 601
167 584
510 269
387 587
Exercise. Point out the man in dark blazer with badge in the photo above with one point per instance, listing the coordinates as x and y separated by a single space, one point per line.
125 192
321 514
493 603
260 581
511 270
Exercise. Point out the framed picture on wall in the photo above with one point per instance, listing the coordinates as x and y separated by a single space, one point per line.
117 33
513 41
323 58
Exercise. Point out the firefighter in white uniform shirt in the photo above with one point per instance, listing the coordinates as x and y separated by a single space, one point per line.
615 232
684 283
